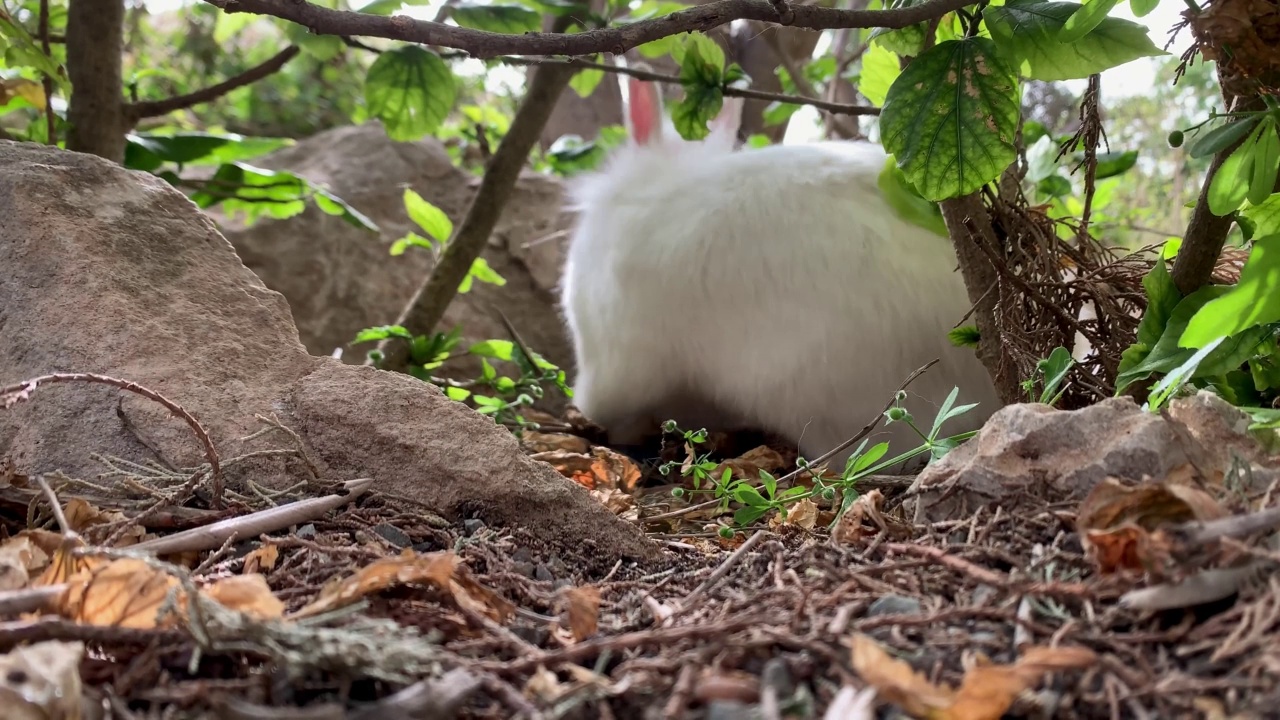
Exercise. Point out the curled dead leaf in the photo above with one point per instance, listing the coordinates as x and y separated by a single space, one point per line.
262 558
583 611
986 692
249 594
802 513
750 463
601 469
1115 521
85 519
442 570
852 529
42 681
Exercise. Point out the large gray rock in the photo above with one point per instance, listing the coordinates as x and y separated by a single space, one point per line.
1029 455
340 279
114 272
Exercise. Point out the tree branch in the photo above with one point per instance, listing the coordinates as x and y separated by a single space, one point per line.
970 228
831 107
427 307
154 108
1206 233
616 40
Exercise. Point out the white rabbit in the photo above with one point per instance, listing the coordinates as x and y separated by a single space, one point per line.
769 288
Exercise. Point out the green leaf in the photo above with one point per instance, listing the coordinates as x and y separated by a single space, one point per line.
709 52
1085 19
1054 186
411 240
509 19
1142 8
906 202
228 25
430 218
1221 137
880 68
1166 355
457 393
1162 298
950 118
1230 184
1265 216
585 81
749 514
147 151
481 271
500 349
411 90
24 50
907 41
333 205
382 332
748 495
321 47
1266 162
1253 301
1027 35
1116 163
865 460
964 336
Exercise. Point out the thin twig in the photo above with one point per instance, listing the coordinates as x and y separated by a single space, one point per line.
155 108
51 119
642 74
692 598
11 395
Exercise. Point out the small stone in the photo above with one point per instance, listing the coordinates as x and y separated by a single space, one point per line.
894 605
306 532
392 534
472 525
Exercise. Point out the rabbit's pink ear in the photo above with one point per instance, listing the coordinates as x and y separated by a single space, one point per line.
729 118
644 109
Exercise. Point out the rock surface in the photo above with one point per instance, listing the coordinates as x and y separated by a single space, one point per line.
1029 455
114 272
340 279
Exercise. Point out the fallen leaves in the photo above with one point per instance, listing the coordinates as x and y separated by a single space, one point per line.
133 593
441 570
986 692
1122 527
601 469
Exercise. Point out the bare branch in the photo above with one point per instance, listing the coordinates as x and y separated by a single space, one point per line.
616 40
154 108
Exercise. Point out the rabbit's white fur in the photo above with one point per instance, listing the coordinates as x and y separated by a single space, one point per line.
770 288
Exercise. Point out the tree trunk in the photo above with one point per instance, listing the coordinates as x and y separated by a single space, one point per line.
968 224
95 38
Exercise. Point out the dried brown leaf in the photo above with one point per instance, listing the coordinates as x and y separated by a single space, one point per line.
802 513
583 609
1115 521
442 570
249 594
42 681
895 681
121 593
539 442
986 692
601 469
262 558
